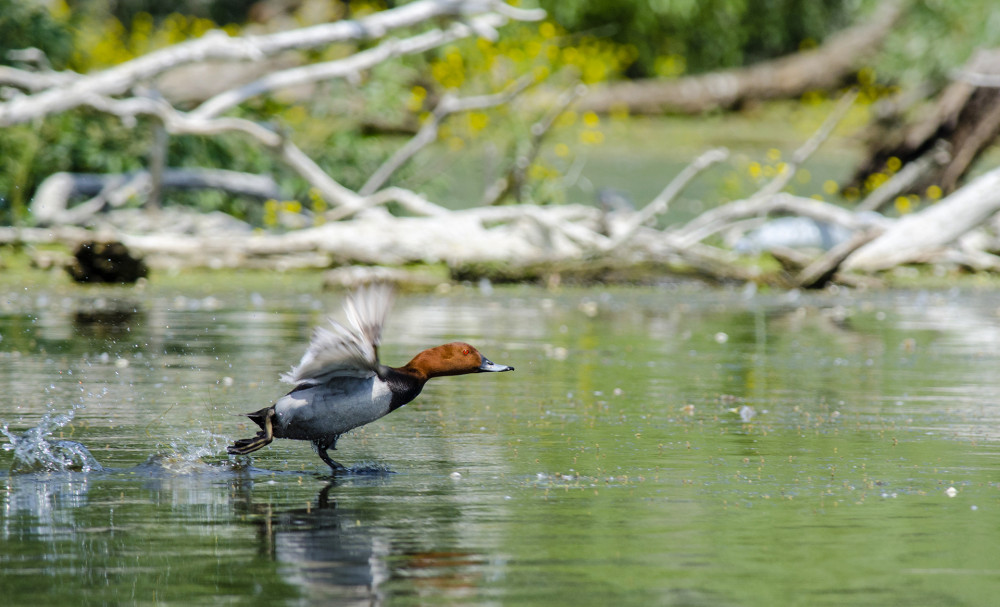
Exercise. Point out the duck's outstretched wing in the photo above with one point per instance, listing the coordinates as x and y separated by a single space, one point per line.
367 308
346 351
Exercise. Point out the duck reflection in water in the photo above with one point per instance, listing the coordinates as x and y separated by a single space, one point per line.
330 551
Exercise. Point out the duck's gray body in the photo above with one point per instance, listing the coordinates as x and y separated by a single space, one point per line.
322 413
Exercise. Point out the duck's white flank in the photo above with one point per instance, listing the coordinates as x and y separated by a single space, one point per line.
326 411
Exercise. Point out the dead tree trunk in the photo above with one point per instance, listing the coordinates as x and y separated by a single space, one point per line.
965 120
824 68
922 236
50 206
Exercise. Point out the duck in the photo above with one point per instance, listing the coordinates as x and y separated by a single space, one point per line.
340 384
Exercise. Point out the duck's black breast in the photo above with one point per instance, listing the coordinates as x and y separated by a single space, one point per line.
404 386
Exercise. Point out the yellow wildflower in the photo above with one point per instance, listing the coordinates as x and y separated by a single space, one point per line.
902 204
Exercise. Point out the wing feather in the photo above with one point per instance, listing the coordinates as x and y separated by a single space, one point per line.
341 351
367 308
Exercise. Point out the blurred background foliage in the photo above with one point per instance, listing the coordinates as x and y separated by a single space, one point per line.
347 127
672 37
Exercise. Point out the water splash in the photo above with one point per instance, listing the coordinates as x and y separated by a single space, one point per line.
35 452
186 455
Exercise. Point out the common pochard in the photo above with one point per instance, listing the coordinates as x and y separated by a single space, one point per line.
341 385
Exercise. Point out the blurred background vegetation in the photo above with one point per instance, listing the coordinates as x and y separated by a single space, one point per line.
344 126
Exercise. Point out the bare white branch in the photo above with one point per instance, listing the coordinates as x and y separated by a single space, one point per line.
810 146
914 236
218 45
34 81
977 78
449 104
660 204
515 179
345 67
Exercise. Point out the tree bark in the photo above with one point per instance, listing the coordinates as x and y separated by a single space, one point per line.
921 236
824 68
965 120
50 206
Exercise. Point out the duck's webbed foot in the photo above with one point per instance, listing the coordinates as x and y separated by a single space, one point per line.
245 446
261 440
323 455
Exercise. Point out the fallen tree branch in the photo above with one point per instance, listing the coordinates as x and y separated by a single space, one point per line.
913 236
823 68
449 104
810 146
342 68
217 45
661 203
50 205
513 181
99 90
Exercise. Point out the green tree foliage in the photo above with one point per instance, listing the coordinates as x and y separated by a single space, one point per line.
29 24
936 37
672 37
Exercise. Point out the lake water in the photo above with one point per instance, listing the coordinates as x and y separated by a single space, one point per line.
655 446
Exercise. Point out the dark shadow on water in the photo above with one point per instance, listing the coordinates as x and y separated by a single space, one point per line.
103 317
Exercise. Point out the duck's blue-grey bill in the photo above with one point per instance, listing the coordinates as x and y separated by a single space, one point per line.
488 365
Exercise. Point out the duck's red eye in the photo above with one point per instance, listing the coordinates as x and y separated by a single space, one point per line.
465 351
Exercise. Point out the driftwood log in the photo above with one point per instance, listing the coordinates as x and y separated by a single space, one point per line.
824 68
961 124
51 203
922 236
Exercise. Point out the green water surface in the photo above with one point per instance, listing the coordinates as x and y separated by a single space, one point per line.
658 446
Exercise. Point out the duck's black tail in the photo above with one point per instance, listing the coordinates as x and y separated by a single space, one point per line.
262 418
